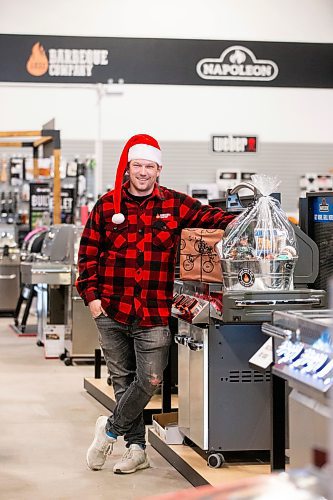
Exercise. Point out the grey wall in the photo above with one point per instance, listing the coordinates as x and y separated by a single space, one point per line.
70 149
193 162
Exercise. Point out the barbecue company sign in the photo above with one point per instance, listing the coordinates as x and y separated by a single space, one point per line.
65 62
237 63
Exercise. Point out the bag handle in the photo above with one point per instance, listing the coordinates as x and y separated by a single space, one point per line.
246 185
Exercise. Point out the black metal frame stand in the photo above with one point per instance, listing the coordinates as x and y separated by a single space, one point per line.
32 293
278 423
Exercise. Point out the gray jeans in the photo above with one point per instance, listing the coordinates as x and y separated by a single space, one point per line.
136 358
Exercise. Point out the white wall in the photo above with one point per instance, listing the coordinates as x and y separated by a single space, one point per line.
275 20
174 112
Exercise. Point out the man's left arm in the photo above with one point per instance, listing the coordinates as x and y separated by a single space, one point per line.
194 214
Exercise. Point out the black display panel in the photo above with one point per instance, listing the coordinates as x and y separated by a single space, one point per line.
316 218
166 61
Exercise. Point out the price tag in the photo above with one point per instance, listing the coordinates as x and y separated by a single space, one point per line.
263 358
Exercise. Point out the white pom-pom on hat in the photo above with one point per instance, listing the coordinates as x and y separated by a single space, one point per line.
118 218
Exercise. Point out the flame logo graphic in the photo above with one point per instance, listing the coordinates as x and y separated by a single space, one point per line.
37 64
238 57
246 277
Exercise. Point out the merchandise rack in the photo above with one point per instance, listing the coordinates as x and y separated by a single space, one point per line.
34 139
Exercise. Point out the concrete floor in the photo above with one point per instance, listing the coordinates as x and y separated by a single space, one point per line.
46 425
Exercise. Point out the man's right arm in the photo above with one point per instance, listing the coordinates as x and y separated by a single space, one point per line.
88 257
194 214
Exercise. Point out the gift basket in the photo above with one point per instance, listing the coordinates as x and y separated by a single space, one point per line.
259 249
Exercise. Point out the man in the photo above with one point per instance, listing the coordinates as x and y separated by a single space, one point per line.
126 270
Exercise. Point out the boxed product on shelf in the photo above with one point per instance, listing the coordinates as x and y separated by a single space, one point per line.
166 427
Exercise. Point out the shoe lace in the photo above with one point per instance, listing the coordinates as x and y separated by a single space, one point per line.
106 448
126 455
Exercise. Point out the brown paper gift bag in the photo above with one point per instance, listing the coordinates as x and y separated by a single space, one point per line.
199 259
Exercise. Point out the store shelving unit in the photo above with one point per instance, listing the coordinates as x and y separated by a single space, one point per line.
34 139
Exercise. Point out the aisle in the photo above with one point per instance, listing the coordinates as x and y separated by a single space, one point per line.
47 422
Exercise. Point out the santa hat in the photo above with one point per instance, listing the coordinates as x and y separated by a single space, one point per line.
138 147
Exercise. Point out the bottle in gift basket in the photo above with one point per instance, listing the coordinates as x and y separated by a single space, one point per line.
259 250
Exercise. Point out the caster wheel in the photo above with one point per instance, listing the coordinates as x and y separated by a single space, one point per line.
108 380
62 356
215 460
40 343
68 362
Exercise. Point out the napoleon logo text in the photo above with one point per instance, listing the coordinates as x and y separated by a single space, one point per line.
237 63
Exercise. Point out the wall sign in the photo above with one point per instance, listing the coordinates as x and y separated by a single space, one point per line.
41 204
323 209
237 63
39 209
65 62
67 205
64 59
234 144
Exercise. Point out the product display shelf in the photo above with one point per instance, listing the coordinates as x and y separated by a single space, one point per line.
195 469
183 458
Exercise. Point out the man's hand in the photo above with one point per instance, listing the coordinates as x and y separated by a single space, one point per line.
96 308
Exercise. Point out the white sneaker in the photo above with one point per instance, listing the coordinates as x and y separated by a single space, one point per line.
101 446
135 458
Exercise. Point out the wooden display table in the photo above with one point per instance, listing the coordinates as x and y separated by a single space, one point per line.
195 469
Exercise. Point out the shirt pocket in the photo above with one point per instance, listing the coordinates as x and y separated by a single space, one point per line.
164 234
117 237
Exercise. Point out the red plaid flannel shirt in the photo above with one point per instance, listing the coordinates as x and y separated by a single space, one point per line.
130 266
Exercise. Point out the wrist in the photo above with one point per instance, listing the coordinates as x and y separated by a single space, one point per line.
90 295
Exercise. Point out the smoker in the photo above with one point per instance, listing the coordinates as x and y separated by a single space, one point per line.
303 357
65 327
9 273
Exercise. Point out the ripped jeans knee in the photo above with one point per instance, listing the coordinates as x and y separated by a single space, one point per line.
155 380
150 383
